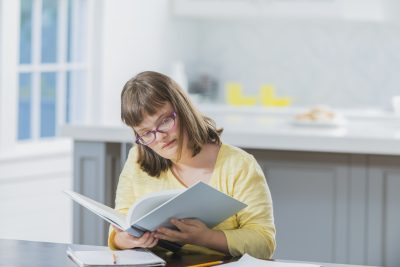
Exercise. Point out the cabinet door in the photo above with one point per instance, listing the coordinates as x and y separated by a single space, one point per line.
383 245
310 196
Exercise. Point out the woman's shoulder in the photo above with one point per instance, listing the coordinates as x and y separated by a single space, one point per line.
230 152
236 166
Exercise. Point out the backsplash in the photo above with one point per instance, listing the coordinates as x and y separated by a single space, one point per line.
338 63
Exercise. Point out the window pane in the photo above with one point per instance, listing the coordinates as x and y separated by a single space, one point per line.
48 104
24 106
49 31
76 31
25 42
75 90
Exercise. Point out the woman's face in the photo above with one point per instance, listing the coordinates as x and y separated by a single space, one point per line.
165 143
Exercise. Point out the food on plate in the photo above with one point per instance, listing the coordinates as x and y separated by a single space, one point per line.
317 114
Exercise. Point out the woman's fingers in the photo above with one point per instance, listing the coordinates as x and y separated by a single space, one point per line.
181 225
154 243
124 240
170 235
190 231
143 239
193 222
149 241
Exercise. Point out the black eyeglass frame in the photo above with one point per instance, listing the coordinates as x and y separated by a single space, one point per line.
139 140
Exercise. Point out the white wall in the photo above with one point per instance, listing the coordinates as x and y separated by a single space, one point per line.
32 204
343 63
136 36
131 36
8 67
32 176
350 64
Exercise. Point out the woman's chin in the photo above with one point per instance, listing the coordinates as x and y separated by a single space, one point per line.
170 154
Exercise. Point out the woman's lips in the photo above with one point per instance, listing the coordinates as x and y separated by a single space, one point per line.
168 144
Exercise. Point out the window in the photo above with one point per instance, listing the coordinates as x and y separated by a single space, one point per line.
52 69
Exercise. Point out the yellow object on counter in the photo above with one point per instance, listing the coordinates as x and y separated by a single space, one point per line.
267 93
235 96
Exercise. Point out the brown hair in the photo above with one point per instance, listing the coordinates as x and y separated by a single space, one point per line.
145 94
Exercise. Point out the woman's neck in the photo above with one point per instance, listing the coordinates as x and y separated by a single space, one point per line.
190 170
204 159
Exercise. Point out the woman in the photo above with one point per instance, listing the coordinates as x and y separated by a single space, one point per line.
177 147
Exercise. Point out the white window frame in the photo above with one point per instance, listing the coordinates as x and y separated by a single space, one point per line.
9 87
60 67
9 35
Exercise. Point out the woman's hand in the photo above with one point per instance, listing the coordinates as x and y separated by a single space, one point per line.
191 231
123 240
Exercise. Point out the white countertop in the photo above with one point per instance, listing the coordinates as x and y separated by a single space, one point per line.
257 128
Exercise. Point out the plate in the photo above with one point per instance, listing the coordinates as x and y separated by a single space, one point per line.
321 124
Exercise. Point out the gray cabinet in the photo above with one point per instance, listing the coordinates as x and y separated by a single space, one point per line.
383 216
339 208
309 191
96 170
328 207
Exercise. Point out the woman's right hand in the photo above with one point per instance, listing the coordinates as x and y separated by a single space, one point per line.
123 240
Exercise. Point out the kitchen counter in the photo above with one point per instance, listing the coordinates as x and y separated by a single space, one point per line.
338 184
258 128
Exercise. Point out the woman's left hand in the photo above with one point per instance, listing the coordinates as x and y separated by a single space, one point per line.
191 231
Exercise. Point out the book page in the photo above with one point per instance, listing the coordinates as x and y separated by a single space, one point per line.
199 201
107 213
149 203
247 260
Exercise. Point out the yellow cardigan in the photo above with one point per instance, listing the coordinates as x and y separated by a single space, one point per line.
237 174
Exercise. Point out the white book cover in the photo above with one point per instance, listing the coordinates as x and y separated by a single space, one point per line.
132 257
199 201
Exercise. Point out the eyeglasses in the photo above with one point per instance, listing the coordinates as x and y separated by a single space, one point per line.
148 137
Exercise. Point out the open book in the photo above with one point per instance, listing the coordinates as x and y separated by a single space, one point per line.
199 201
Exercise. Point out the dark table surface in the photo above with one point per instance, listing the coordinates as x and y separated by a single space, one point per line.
21 253
18 253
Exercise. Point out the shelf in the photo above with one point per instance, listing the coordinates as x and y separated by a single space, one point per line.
290 9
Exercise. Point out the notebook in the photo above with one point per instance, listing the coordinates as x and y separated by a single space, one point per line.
100 258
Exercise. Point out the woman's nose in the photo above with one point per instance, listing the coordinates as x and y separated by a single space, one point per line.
161 136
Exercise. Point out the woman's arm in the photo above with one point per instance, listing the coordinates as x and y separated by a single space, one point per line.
256 229
255 233
124 199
